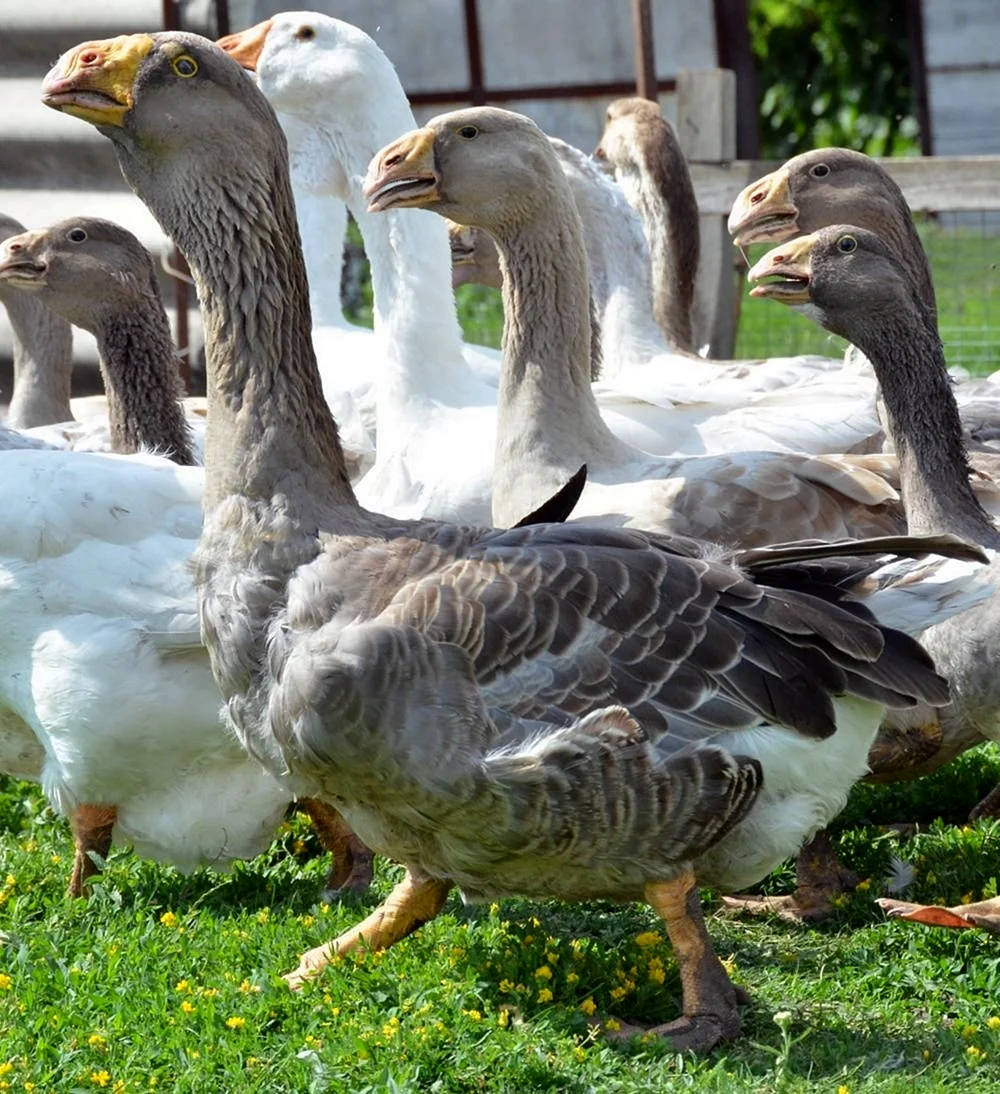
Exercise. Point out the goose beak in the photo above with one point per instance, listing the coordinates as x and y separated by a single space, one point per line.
404 174
245 48
94 81
791 263
764 212
462 241
17 266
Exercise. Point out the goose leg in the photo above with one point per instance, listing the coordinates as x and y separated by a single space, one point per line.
711 1000
92 826
352 866
819 875
414 902
988 807
985 914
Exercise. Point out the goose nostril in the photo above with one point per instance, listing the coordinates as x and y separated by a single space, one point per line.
757 198
90 57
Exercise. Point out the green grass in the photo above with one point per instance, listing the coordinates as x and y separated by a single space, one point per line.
170 983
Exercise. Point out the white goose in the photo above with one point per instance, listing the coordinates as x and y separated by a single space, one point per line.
106 694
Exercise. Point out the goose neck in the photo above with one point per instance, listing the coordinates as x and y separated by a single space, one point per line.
925 428
43 363
143 384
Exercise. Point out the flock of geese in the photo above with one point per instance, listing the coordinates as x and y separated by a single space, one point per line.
698 628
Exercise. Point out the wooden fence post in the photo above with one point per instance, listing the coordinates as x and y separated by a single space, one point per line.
706 126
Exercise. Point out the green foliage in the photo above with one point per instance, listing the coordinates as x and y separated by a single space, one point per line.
833 72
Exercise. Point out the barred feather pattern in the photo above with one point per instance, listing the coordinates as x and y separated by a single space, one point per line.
534 710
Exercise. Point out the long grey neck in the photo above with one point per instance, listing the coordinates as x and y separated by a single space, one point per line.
926 430
545 404
270 433
43 362
143 384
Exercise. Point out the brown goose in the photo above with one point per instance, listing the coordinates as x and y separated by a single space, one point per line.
98 276
61 267
458 691
43 354
856 284
642 147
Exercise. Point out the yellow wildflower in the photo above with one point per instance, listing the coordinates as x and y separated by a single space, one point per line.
28 1085
588 1006
928 1055
656 973
534 921
188 1007
543 973
313 1042
246 987
843 1089
10 881
7 1067
263 916
545 996
119 1087
993 1023
572 977
5 982
863 886
307 920
975 1054
612 1024
168 919
970 1031
182 986
55 859
96 1040
647 939
503 1018
579 1053
209 993
235 1022
100 1078
967 898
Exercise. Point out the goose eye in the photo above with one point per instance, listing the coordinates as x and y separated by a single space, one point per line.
305 33
185 66
76 235
820 171
468 131
846 244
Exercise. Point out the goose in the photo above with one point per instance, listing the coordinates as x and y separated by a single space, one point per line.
555 711
42 352
153 759
642 148
305 60
840 186
857 284
548 421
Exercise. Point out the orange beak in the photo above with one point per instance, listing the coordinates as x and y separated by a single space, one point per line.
764 212
403 174
245 47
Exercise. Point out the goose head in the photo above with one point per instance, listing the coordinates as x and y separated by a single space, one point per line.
483 166
846 278
81 268
821 187
337 93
